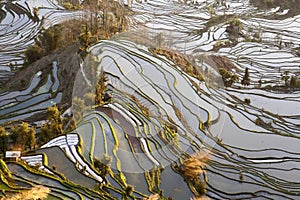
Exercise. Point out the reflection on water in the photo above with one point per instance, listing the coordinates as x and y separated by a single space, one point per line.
158 113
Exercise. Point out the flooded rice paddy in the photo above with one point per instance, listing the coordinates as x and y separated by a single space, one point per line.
253 147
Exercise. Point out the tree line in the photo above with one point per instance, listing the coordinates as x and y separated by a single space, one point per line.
99 20
25 137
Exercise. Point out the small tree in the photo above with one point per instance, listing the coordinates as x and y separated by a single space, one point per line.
293 82
103 165
33 54
235 25
3 137
85 37
53 128
128 190
24 135
50 39
100 89
53 113
246 78
31 142
55 120
44 134
285 77
227 77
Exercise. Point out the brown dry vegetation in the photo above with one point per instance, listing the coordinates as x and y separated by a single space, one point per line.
152 197
180 60
35 193
191 171
194 166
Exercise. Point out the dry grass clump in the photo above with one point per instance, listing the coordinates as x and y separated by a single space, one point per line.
35 193
193 166
152 197
192 169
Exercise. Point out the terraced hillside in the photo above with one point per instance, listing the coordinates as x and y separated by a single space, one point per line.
197 99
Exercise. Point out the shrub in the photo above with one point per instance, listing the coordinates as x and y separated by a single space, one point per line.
103 165
227 77
33 54
193 166
24 135
36 192
152 197
246 78
247 101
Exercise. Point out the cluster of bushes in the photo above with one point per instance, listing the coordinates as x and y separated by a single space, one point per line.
22 136
103 165
191 170
234 27
227 77
290 81
56 125
260 122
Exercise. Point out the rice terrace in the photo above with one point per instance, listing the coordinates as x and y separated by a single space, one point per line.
149 99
